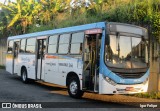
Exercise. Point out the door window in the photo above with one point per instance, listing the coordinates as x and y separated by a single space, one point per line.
16 49
10 47
23 44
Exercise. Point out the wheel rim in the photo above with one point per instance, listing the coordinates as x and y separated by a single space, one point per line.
24 76
73 87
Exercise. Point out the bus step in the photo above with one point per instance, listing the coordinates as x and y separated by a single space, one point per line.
88 90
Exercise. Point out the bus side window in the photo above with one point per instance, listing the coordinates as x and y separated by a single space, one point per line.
22 47
64 44
30 47
77 43
52 44
10 47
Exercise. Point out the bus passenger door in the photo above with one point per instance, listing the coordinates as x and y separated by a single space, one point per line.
9 57
91 60
15 57
40 58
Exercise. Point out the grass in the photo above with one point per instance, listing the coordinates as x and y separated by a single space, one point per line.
2 67
152 95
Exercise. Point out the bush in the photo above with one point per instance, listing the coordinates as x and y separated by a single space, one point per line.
2 67
152 95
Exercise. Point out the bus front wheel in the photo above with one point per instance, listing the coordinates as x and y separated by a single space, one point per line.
24 76
74 88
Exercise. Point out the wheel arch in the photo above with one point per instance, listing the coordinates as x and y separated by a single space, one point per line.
22 68
70 75
24 76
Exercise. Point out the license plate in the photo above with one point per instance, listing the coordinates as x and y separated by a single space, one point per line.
129 88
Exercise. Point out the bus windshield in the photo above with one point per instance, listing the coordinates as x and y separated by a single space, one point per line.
126 52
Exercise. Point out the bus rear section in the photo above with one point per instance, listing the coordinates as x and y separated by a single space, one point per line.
124 63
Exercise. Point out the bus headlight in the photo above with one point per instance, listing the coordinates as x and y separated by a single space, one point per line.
145 81
109 80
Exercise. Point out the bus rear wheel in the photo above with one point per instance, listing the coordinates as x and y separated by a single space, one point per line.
74 88
24 76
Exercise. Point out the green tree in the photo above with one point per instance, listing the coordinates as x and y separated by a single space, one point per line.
3 25
19 14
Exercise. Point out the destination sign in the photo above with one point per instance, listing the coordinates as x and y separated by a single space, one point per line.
93 31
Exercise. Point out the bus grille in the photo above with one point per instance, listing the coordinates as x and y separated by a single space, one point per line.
130 75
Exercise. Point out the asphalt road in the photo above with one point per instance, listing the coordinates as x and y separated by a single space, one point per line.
13 90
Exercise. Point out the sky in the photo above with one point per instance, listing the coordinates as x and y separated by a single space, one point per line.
2 1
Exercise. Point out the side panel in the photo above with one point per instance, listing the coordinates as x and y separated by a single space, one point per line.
68 64
28 60
57 68
51 69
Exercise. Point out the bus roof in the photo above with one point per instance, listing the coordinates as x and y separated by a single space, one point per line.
59 31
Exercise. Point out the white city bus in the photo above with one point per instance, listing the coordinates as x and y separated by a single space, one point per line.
103 57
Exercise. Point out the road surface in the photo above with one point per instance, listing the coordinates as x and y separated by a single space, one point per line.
13 90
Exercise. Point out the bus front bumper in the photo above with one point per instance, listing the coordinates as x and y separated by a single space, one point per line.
108 88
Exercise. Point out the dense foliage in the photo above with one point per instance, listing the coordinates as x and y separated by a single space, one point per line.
26 16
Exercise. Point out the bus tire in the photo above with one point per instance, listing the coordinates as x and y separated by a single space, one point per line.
74 88
24 76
